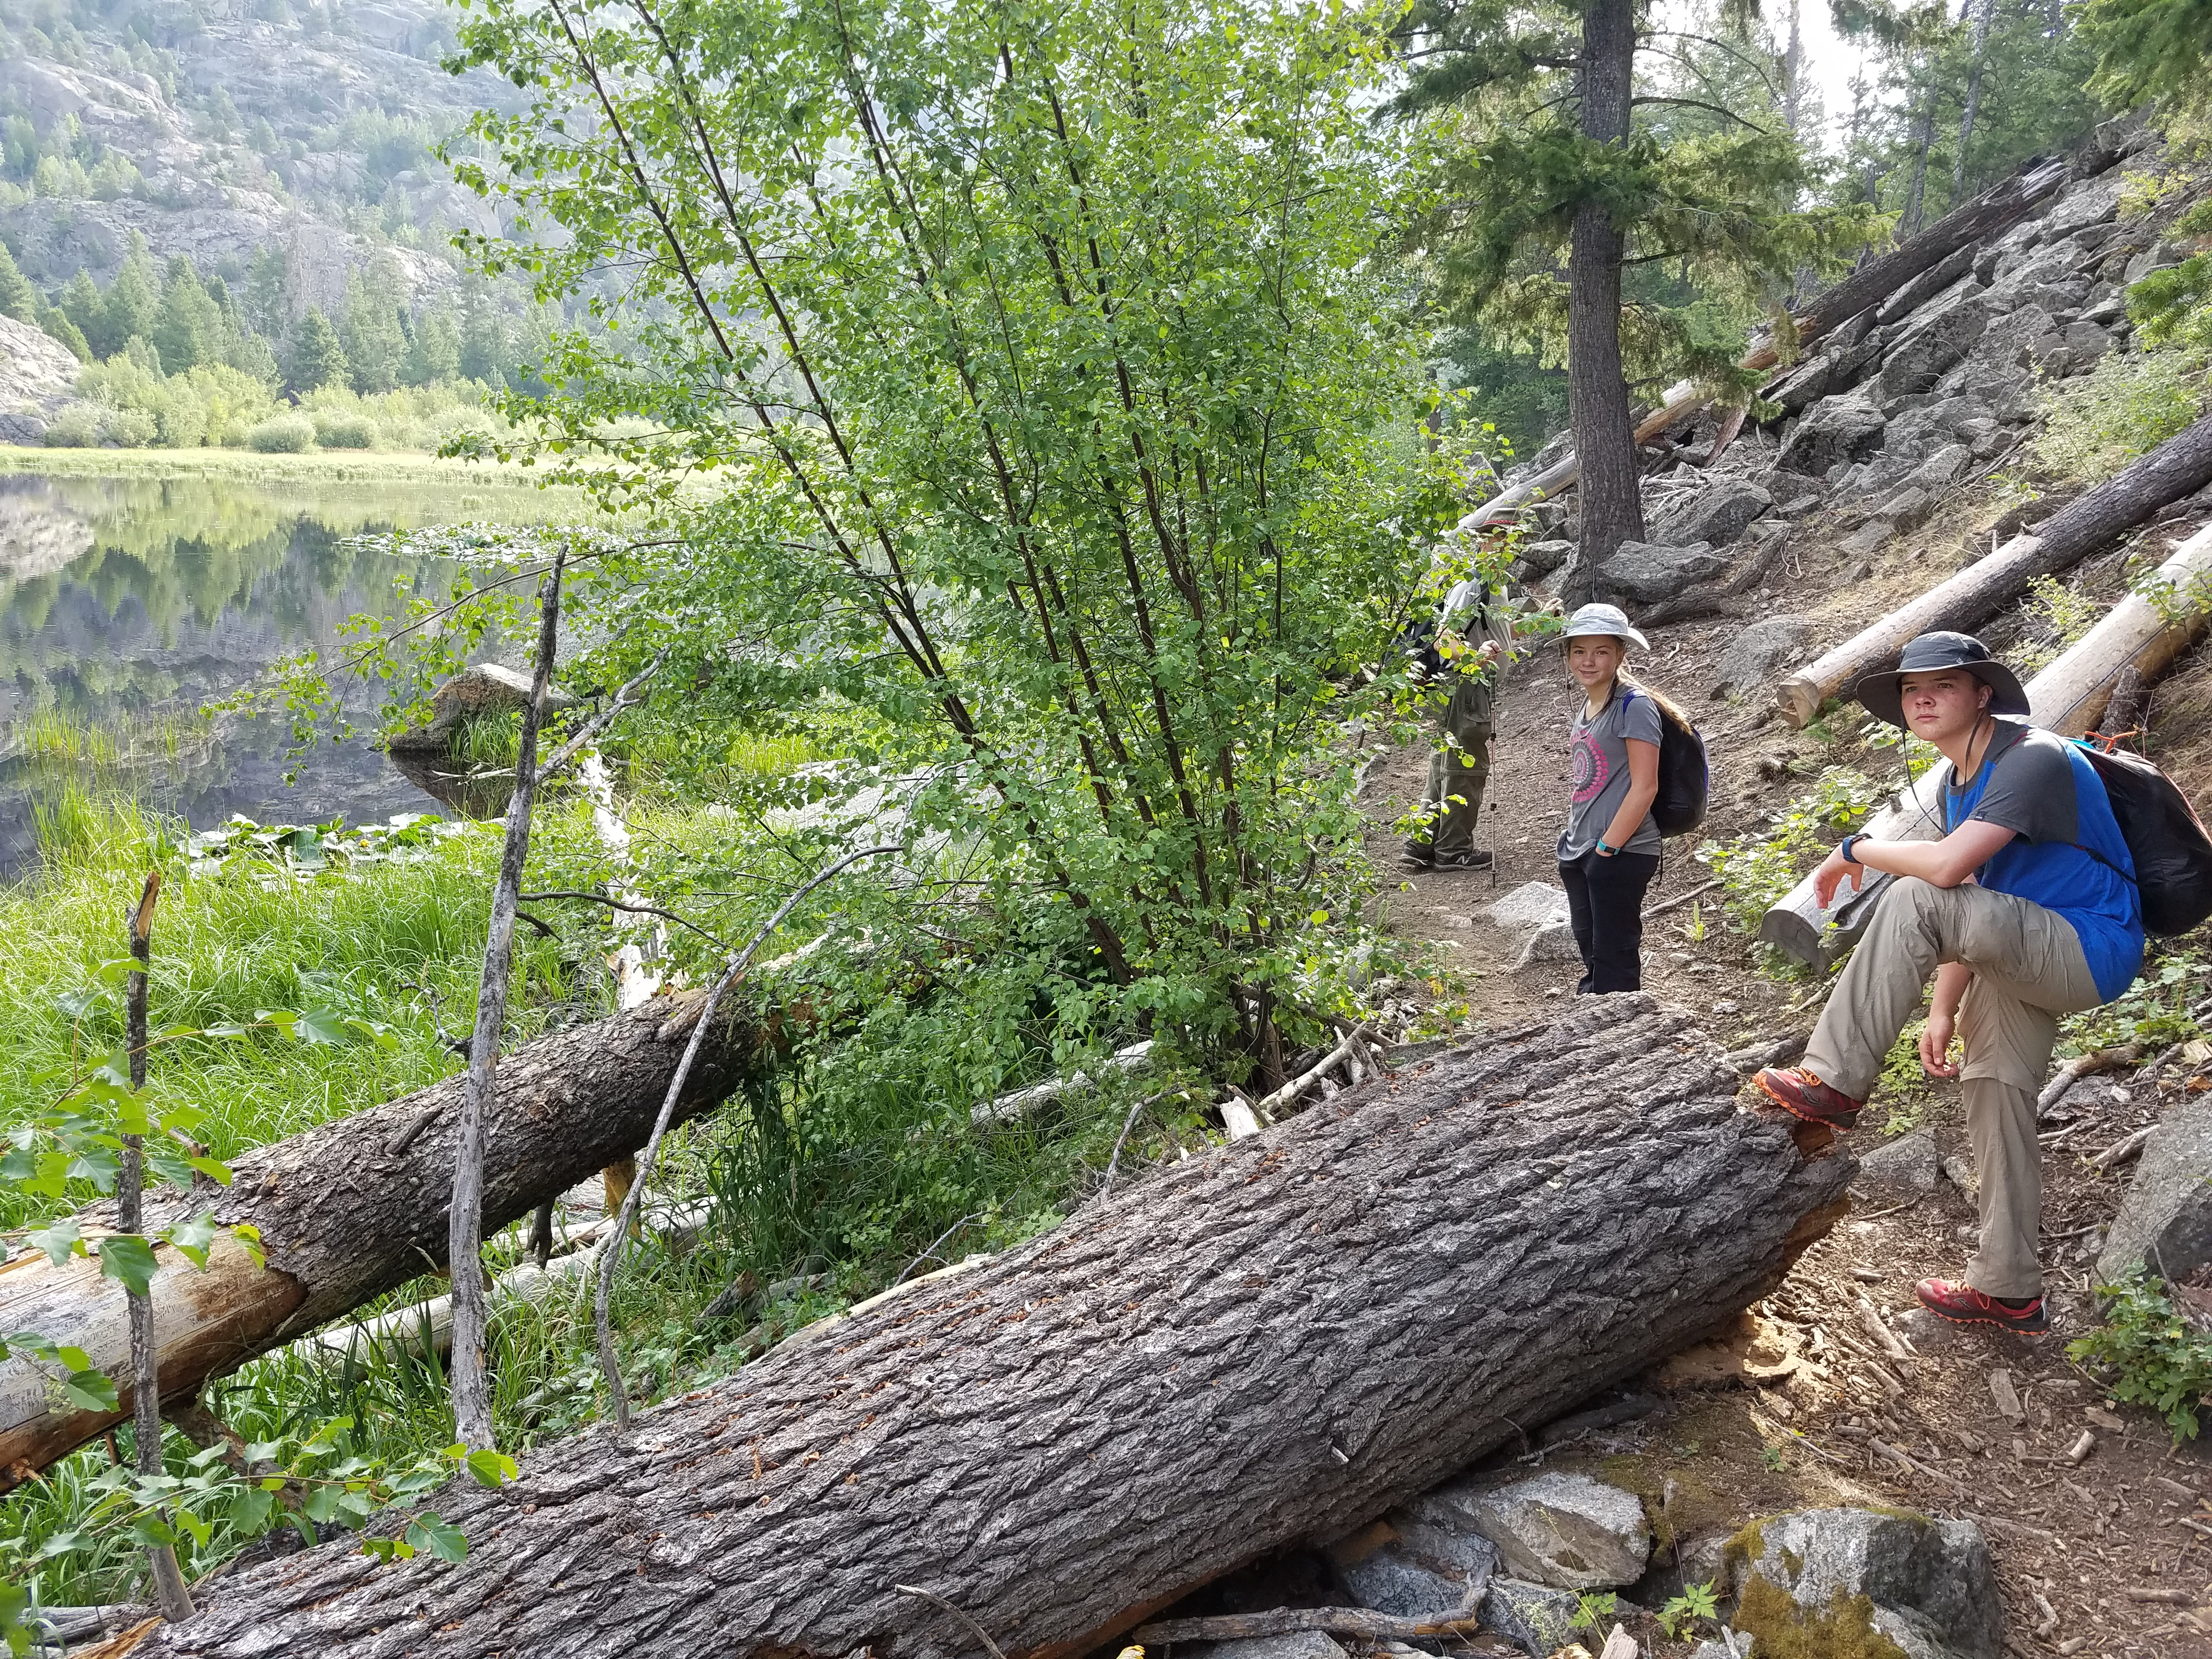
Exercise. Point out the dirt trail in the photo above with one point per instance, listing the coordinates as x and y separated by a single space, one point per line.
2132 1520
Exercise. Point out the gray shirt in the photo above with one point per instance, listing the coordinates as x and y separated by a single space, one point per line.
1597 772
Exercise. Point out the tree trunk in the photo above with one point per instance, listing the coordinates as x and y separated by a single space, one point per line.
1982 8
353 1209
2136 641
1997 208
2179 466
1274 1342
1597 390
1923 136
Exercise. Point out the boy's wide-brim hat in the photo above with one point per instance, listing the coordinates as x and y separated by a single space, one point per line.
1605 621
1883 696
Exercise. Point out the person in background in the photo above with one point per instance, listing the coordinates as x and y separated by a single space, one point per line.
1609 851
1459 768
2023 908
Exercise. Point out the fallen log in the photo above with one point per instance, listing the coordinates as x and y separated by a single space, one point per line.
2180 466
1276 1340
2137 636
2000 206
2142 635
351 1210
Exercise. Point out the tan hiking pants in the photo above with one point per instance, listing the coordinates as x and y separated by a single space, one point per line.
2029 969
1459 769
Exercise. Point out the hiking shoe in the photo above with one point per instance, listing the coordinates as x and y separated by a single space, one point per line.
1475 858
1800 1094
1962 1304
1417 855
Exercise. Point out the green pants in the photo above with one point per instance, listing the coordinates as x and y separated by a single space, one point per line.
2029 969
1459 770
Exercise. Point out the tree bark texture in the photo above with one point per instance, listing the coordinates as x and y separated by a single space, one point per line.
2136 639
353 1209
1597 389
2000 206
1274 1342
2180 466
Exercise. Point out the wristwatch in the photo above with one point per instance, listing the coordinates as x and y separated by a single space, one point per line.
1845 846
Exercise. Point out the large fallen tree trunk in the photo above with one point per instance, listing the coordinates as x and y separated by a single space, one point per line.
1871 284
2068 697
2180 466
1275 1341
351 1210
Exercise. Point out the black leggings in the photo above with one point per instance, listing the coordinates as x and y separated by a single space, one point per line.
1605 907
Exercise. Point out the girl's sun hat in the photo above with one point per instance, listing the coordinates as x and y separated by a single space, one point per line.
1606 621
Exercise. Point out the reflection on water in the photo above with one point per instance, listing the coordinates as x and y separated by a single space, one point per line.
126 603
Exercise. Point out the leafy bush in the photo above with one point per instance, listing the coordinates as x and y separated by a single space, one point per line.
1758 871
2126 406
134 428
2058 617
2148 1353
283 434
336 429
75 426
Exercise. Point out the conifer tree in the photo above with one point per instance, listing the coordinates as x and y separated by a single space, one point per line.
375 348
433 351
18 298
1555 154
131 303
319 358
189 328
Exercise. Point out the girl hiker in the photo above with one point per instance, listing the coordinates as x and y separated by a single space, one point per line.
1609 851
2022 904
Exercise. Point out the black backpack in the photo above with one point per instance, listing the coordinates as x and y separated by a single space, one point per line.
1685 777
2173 855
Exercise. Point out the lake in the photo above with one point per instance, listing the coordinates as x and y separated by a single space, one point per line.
130 598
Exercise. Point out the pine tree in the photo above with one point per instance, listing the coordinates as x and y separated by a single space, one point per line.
319 358
80 302
56 322
131 305
434 352
18 298
375 348
484 352
1557 155
189 328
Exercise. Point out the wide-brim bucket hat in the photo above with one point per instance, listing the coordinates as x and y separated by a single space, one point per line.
1883 696
1603 621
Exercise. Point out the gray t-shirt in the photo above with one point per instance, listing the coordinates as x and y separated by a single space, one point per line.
1597 772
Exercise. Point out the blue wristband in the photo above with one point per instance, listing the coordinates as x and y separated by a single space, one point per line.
1845 847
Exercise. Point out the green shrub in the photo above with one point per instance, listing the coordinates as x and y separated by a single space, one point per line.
1758 871
340 429
133 428
283 434
2126 406
75 426
2148 1354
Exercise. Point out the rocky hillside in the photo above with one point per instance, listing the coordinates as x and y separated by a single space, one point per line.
1895 414
37 376
222 132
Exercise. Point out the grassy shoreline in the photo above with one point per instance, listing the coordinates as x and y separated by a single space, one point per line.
319 466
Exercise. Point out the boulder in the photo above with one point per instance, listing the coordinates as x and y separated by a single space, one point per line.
483 688
1297 1644
1928 283
38 375
1647 572
1542 558
1567 1531
1554 942
1535 1619
1827 1580
1753 655
1983 437
1907 1166
1716 515
1837 429
1532 904
1928 350
2165 1221
1795 495
2086 341
1416 1563
2005 341
1807 383
2082 204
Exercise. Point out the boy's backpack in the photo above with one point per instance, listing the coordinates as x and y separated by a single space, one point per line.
1685 777
2172 852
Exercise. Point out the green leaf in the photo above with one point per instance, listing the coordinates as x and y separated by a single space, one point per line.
250 1235
214 1168
321 1504
491 1467
319 1025
193 1236
130 1259
151 1529
430 1531
58 1240
251 1509
91 1391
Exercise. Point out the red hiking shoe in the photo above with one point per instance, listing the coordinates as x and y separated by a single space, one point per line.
1800 1094
1962 1304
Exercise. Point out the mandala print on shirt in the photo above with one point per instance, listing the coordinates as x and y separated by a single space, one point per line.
1586 768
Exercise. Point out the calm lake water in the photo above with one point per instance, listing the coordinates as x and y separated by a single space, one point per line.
128 602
